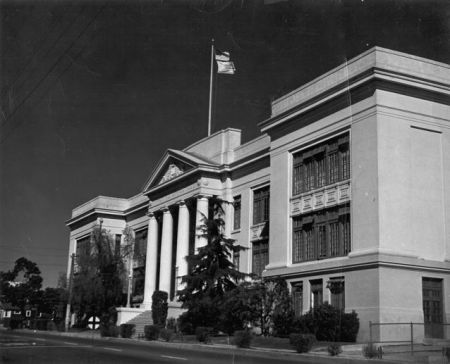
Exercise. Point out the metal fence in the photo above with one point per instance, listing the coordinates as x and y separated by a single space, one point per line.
407 333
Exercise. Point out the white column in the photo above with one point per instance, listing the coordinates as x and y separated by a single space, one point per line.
202 213
151 260
182 242
165 268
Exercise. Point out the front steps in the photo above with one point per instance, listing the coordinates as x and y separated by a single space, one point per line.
141 320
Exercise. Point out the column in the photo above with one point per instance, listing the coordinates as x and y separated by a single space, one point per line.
182 243
202 213
166 252
151 261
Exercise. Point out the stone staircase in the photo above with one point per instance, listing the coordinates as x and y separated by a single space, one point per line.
145 318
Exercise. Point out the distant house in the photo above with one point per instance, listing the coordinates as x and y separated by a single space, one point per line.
345 195
7 311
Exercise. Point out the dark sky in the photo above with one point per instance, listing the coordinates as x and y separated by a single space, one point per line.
93 93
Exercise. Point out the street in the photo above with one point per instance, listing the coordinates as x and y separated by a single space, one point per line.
36 348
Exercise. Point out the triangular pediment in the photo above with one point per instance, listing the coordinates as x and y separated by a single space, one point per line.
173 164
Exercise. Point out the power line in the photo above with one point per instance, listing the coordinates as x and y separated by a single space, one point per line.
6 135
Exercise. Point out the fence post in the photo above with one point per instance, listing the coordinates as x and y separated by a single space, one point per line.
412 339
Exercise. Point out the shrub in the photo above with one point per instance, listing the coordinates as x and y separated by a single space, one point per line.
334 349
171 324
109 330
283 323
127 330
203 334
51 326
349 327
372 351
243 338
328 323
302 342
151 332
167 334
159 308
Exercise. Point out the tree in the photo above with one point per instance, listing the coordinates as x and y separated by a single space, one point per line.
98 280
212 271
21 285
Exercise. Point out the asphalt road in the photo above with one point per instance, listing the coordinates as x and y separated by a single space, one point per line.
37 348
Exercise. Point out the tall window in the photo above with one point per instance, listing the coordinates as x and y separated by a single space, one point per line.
140 247
237 213
321 165
261 205
260 256
337 290
297 298
320 235
316 293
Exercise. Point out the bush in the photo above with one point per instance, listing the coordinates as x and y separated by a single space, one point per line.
243 338
203 334
51 326
159 308
127 330
328 323
334 349
172 324
109 330
167 334
372 351
283 323
151 332
349 327
302 342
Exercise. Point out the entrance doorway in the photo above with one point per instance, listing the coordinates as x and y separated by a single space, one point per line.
433 307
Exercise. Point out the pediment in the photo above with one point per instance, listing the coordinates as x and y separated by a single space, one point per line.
173 164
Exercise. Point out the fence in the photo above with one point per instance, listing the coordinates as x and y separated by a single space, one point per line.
406 333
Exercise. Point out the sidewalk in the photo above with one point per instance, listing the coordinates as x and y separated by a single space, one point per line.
351 353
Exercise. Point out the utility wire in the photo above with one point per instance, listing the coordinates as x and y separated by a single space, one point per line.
6 135
37 50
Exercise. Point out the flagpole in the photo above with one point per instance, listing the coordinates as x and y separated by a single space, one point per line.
211 87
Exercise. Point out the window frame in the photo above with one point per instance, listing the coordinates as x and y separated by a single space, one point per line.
237 212
260 256
261 205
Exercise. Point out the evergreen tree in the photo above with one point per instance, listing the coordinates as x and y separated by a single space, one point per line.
212 271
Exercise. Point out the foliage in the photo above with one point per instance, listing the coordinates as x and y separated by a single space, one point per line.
21 286
334 349
372 351
328 323
243 338
151 332
12 322
203 334
127 330
171 324
109 330
167 334
212 274
302 342
241 308
98 282
159 308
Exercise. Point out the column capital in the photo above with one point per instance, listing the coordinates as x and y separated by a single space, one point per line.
165 210
181 203
202 196
150 213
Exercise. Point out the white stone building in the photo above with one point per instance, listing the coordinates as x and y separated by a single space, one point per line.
346 194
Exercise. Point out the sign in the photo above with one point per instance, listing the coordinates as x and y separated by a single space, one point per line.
93 323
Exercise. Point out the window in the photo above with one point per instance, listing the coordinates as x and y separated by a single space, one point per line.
28 313
237 213
260 256
321 165
261 205
118 238
236 259
140 247
297 298
337 290
320 235
84 246
316 293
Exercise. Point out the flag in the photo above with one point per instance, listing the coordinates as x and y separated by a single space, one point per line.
224 64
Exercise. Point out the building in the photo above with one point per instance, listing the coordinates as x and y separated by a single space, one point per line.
346 194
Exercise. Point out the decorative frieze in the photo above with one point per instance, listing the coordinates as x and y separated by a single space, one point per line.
260 231
321 198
